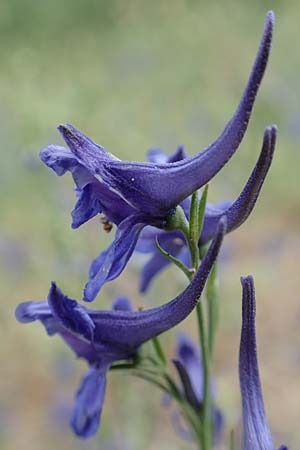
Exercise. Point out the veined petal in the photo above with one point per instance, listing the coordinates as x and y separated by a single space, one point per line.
110 263
27 312
257 435
156 188
72 316
62 160
86 415
240 209
76 337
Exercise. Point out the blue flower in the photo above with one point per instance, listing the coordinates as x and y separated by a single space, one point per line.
257 435
189 366
236 213
103 337
133 195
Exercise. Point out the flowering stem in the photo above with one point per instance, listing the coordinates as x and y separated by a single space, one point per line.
212 303
206 434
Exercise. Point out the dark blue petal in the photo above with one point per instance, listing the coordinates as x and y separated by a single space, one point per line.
94 196
71 315
189 355
88 205
257 435
237 212
86 415
122 304
156 188
110 263
187 385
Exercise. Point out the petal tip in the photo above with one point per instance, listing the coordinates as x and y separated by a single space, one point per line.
246 280
270 17
22 313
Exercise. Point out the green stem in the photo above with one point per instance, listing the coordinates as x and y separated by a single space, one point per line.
207 429
212 301
159 351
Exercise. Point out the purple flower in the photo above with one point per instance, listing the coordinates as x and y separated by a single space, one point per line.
236 213
133 195
189 366
257 435
103 337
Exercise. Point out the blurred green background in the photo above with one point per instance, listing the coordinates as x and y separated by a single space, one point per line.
133 75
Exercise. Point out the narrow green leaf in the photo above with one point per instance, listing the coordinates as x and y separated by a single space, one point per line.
189 273
193 231
159 351
152 380
201 210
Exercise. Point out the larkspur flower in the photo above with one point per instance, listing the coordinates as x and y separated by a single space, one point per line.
174 242
257 435
189 366
104 337
132 194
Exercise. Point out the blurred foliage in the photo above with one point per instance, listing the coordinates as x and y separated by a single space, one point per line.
132 75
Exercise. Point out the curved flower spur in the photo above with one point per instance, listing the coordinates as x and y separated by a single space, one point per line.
236 213
104 337
133 195
257 435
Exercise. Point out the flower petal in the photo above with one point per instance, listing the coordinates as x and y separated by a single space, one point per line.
257 435
62 160
156 188
27 312
187 385
87 206
156 155
71 315
122 304
86 415
94 196
110 263
240 209
189 355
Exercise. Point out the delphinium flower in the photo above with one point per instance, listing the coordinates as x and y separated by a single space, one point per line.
174 242
104 337
257 435
133 195
189 366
